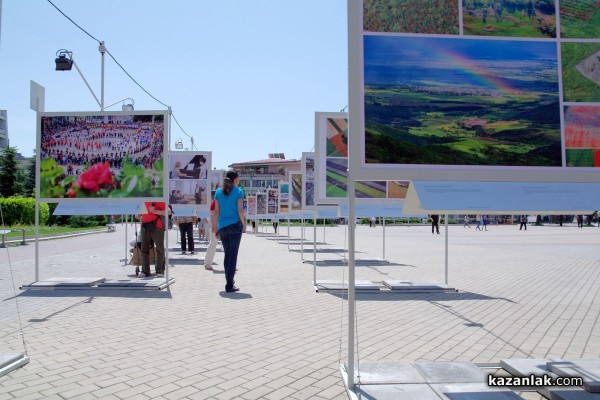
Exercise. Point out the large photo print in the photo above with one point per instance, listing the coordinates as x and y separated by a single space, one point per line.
455 101
190 181
100 155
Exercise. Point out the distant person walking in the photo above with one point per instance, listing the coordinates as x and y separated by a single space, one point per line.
523 220
580 221
228 223
186 229
478 219
467 222
435 223
484 222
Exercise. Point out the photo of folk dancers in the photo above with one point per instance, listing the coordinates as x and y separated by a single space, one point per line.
100 156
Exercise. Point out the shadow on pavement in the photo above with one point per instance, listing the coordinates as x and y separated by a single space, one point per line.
235 295
397 295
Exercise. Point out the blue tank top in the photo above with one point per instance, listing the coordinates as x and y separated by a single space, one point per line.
228 206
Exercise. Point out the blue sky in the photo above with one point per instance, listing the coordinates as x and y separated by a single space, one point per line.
244 78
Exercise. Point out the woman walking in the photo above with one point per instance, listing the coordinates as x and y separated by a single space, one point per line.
228 223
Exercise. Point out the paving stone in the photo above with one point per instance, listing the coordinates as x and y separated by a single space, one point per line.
473 391
515 298
588 369
384 372
567 393
527 366
398 392
450 372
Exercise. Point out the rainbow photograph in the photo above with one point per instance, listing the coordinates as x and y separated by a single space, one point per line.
455 101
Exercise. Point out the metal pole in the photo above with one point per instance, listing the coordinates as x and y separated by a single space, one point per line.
87 84
126 234
102 50
446 240
351 281
383 224
37 236
302 238
315 248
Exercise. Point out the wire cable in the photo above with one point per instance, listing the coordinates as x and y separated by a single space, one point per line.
120 66
134 81
12 277
74 23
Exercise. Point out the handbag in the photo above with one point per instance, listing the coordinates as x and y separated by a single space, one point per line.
136 256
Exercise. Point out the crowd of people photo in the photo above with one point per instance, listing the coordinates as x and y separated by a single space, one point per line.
76 142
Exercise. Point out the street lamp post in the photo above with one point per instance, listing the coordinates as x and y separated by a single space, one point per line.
64 62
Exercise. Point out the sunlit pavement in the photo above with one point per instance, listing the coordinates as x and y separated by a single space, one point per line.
522 294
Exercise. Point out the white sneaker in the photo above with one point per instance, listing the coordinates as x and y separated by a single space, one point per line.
159 275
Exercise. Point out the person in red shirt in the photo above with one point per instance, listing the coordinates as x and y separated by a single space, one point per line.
153 229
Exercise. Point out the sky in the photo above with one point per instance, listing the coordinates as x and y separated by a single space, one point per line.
243 78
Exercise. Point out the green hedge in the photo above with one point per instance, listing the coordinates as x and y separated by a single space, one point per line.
21 210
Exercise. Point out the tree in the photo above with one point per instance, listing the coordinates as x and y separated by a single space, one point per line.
25 183
8 171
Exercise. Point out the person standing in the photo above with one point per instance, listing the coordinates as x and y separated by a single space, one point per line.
228 223
435 223
153 230
275 222
484 222
523 222
212 244
186 229
467 222
478 227
198 194
580 221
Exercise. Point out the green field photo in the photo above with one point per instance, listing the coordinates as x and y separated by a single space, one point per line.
580 19
580 71
513 18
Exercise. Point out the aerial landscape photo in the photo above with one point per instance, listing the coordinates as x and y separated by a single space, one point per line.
582 136
513 18
581 71
579 18
337 137
410 16
456 101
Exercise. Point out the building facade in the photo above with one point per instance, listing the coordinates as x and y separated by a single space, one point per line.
3 129
260 175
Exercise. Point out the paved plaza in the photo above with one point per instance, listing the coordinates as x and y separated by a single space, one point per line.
522 294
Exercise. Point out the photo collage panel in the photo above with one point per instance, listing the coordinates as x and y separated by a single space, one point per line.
500 83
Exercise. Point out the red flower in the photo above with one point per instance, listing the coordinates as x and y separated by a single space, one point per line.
96 176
